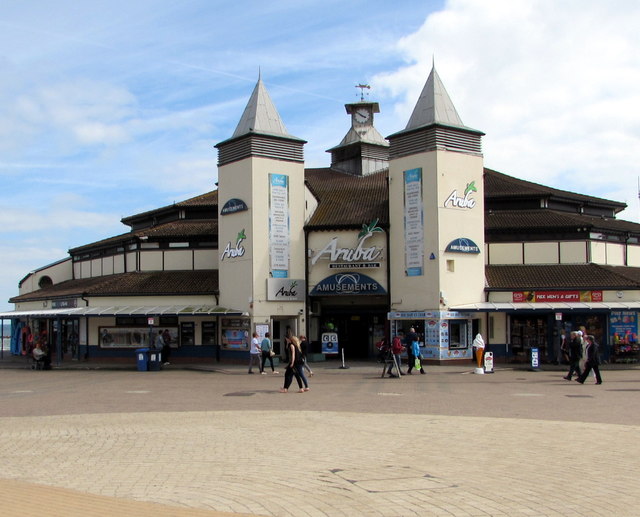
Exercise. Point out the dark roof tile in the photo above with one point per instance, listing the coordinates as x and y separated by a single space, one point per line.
150 283
561 276
346 200
548 220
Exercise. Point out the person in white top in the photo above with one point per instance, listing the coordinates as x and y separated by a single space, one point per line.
255 353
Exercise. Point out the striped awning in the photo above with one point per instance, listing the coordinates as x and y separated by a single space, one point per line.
127 310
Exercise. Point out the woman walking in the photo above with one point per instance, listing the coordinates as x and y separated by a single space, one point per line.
294 360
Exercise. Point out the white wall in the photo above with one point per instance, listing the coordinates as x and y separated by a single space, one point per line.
178 260
541 253
505 253
58 272
615 254
573 252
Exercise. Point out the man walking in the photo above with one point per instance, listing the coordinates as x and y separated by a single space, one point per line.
593 361
575 353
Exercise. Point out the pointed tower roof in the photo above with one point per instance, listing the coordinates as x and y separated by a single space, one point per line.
434 124
260 115
434 105
260 132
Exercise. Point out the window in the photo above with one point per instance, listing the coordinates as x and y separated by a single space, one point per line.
458 334
209 333
45 281
187 333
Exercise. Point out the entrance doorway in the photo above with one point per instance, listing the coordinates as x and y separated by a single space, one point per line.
357 333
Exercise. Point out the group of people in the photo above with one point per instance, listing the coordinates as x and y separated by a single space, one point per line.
401 342
260 351
295 358
573 350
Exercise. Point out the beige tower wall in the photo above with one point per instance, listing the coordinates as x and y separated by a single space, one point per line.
459 277
464 282
411 292
243 279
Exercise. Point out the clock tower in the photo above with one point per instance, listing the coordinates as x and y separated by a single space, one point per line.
363 150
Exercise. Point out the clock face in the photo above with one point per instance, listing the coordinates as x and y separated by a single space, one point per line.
361 115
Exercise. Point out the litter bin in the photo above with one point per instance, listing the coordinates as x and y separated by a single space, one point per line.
142 359
154 359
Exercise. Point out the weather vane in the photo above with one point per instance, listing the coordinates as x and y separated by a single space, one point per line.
362 88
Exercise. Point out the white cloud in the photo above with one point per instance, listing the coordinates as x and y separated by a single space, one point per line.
553 85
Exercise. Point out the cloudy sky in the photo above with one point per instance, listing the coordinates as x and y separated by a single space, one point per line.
110 108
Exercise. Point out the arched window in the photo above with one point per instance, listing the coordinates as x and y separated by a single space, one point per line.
45 281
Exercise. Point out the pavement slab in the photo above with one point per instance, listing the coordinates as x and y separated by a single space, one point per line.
215 441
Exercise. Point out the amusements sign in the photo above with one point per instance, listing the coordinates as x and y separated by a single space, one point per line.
462 245
279 225
556 296
413 223
347 284
232 206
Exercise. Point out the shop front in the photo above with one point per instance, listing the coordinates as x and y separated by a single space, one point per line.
443 335
541 320
90 333
348 289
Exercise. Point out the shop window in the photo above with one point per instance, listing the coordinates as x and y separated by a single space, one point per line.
187 333
458 334
209 333
528 333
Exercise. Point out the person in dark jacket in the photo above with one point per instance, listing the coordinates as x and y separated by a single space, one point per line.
593 361
575 353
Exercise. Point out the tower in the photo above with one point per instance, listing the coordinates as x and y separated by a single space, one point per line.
261 199
436 207
363 150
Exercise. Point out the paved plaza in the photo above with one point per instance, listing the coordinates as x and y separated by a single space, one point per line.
212 440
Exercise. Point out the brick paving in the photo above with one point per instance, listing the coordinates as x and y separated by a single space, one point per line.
212 440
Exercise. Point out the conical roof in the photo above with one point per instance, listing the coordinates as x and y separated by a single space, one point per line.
434 106
260 115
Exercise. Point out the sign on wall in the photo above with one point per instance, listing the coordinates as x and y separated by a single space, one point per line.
235 333
285 289
234 250
347 284
279 225
623 327
362 256
462 245
413 223
556 296
455 200
232 206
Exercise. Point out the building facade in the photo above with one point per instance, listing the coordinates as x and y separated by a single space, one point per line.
406 231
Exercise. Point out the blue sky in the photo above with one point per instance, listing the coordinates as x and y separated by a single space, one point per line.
111 108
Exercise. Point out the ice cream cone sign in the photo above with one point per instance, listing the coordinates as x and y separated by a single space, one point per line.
478 343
